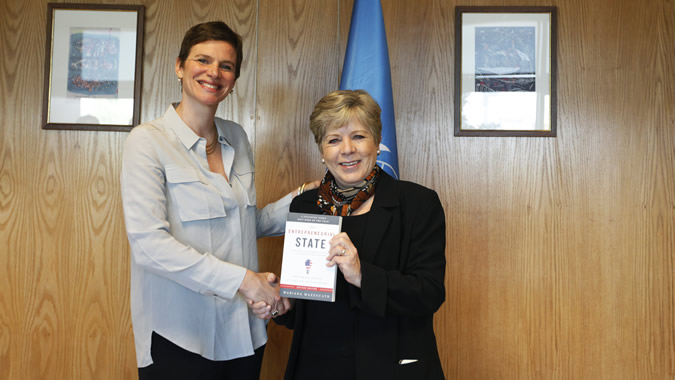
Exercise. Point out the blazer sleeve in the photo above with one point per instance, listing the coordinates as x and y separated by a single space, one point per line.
414 287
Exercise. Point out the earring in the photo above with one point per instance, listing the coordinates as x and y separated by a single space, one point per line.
180 79
323 161
378 152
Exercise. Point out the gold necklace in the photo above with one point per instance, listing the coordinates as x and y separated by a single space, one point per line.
210 148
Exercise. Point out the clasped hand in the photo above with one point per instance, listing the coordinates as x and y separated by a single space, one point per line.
261 291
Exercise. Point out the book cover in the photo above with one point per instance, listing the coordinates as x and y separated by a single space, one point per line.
304 273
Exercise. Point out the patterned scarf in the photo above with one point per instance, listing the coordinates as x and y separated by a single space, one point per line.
342 202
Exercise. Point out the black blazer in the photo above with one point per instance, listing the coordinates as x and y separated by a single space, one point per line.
403 271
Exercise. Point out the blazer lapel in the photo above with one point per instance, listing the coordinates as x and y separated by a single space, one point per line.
384 205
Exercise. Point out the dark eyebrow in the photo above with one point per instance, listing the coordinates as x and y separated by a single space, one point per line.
200 55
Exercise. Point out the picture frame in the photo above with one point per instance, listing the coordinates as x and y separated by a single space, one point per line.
505 71
93 64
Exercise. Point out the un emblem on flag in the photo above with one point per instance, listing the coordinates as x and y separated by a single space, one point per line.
389 168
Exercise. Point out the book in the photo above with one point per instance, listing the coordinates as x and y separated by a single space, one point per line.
304 273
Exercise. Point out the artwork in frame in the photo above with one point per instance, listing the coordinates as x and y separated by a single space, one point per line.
505 71
93 67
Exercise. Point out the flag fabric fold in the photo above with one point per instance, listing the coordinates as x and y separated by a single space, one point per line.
366 67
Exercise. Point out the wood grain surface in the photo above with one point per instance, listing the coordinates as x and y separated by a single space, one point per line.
560 251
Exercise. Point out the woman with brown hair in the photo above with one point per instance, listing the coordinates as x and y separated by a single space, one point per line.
188 191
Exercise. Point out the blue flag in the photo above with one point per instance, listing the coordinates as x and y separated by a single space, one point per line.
367 68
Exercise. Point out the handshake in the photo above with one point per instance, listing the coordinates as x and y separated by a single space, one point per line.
261 291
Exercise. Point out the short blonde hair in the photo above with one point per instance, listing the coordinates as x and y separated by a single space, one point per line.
339 107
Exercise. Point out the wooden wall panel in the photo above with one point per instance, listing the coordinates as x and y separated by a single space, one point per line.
297 65
561 252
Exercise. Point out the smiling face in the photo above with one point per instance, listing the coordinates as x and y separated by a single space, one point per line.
208 73
350 153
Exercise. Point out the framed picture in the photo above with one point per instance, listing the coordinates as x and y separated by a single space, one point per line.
93 67
505 71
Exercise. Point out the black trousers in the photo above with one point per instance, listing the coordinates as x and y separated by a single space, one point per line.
171 362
